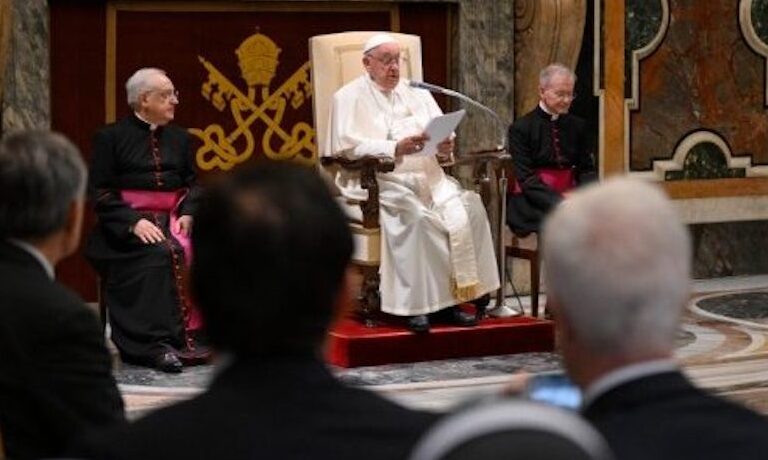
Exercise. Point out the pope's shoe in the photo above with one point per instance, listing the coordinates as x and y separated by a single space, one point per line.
456 316
418 324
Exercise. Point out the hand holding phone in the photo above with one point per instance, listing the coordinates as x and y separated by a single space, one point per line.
554 388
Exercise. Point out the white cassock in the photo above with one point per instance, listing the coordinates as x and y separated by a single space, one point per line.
437 248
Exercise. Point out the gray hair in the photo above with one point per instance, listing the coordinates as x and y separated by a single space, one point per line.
546 74
618 261
41 174
138 84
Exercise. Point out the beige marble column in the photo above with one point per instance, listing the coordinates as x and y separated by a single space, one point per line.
546 31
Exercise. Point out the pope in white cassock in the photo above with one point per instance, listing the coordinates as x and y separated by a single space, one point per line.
437 249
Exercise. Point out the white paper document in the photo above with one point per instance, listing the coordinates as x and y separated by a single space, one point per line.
439 128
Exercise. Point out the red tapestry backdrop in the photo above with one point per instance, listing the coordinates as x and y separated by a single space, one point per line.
241 70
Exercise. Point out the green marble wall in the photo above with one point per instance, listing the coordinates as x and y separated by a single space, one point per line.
760 19
705 161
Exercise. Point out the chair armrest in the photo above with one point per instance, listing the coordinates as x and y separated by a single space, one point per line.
378 164
483 162
367 166
482 156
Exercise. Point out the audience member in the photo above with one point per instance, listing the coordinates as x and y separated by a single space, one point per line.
512 429
55 379
143 188
618 261
272 250
437 249
551 152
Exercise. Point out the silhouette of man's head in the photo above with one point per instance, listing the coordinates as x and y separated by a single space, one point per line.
271 251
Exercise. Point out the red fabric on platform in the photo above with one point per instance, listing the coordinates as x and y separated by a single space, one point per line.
352 344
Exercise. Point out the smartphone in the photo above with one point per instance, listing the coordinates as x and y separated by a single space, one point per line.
554 388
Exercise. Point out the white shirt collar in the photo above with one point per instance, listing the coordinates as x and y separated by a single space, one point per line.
553 116
152 126
626 374
34 252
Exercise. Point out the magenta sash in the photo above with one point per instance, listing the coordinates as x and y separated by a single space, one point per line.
559 180
167 202
146 200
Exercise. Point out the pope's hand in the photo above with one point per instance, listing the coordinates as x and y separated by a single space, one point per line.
411 144
445 150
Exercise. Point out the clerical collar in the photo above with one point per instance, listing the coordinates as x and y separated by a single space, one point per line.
152 126
34 252
552 116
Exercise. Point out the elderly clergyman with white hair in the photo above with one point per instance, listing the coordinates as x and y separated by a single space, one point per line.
437 249
144 192
618 263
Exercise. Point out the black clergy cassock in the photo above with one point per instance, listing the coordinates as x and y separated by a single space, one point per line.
140 281
536 141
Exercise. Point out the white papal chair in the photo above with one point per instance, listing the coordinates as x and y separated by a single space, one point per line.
336 59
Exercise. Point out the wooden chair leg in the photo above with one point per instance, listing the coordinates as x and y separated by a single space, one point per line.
535 273
370 298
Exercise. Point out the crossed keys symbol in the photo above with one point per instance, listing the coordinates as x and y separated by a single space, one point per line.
218 149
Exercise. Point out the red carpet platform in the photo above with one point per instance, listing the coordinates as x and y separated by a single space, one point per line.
351 344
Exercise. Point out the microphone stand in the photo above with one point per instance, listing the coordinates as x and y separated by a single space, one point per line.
500 191
465 98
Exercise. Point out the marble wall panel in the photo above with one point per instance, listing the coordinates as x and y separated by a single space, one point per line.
485 69
642 24
26 93
760 19
730 249
703 76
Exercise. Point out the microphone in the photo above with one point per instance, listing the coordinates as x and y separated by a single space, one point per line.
449 92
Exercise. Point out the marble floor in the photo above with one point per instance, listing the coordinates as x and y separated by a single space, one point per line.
722 345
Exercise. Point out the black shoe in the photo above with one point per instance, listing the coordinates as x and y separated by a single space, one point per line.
167 362
456 316
481 306
418 324
482 301
194 353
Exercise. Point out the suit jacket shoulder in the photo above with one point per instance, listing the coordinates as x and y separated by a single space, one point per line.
54 367
664 416
289 410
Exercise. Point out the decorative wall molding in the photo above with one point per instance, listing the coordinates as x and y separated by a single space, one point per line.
633 103
661 167
751 37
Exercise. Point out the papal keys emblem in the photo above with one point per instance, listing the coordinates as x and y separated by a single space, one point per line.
258 60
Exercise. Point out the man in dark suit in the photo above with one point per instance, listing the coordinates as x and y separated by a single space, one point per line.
272 250
55 379
618 262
